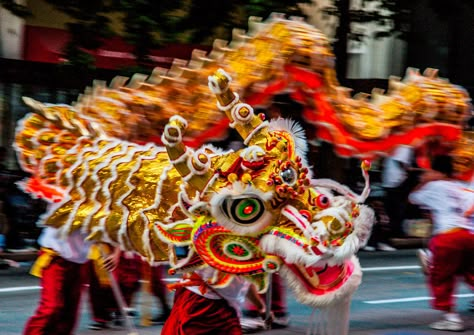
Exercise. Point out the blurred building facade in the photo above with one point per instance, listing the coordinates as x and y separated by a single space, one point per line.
371 58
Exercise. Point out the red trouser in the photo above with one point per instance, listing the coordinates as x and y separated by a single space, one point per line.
158 287
56 314
193 314
453 255
278 307
101 297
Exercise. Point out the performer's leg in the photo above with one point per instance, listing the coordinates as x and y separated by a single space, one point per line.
446 262
100 296
468 261
128 274
61 283
74 279
158 287
279 304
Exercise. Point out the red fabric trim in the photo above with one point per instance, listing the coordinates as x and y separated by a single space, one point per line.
193 314
331 129
43 191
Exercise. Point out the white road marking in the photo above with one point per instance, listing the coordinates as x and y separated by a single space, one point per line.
391 301
20 288
368 269
390 268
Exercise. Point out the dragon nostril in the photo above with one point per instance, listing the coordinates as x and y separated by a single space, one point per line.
306 214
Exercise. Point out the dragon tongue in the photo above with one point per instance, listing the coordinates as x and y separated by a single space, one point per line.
310 273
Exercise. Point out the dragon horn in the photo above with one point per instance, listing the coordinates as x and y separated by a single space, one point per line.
194 166
241 115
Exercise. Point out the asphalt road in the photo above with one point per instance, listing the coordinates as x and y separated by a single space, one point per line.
392 300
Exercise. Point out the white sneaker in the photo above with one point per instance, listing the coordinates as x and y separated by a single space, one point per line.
251 325
368 248
385 247
449 325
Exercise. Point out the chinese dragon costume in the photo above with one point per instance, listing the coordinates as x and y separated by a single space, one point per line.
249 212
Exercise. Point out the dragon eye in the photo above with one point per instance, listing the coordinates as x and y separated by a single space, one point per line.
244 210
322 201
289 176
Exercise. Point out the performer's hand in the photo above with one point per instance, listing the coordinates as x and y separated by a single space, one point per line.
111 261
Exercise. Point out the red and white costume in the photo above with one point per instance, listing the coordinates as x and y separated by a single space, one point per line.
60 265
452 244
203 310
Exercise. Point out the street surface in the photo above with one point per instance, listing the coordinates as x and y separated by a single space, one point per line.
392 300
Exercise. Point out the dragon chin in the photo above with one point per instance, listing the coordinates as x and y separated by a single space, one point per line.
317 280
323 286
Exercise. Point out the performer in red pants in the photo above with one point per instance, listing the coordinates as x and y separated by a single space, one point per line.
452 243
126 270
199 309
60 266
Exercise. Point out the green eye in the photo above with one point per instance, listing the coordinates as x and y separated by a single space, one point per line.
247 208
244 210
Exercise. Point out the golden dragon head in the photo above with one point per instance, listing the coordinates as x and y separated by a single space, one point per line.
257 210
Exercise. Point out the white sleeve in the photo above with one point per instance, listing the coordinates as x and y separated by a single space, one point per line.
427 196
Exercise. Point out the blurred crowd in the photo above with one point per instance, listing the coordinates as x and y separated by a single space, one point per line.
19 212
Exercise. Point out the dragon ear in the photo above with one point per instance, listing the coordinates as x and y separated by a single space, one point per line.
194 166
293 135
178 233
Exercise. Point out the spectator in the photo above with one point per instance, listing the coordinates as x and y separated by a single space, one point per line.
395 181
20 210
379 239
452 243
3 228
3 192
